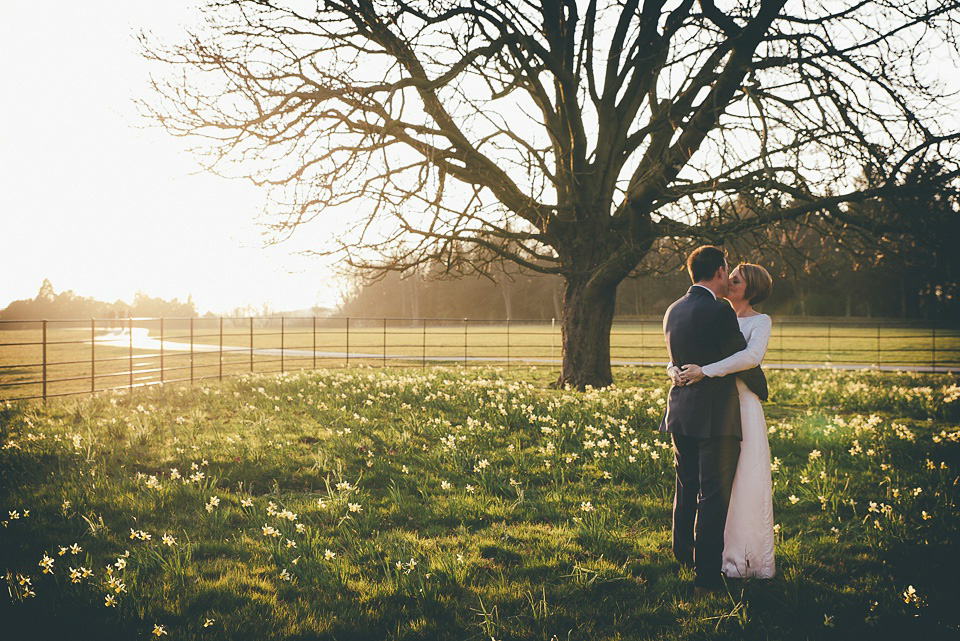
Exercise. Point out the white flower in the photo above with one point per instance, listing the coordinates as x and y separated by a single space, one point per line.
911 597
47 564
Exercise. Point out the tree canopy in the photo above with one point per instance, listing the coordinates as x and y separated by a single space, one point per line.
582 139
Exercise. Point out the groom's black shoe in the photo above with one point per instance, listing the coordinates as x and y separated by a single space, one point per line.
703 593
703 586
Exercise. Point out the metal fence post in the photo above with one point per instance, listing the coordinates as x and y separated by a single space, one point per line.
879 358
191 350
44 360
553 329
251 343
221 348
384 342
464 342
314 342
780 331
130 331
508 343
829 343
282 341
347 351
93 356
161 350
643 342
934 346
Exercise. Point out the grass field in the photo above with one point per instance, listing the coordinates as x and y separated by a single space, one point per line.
74 366
453 504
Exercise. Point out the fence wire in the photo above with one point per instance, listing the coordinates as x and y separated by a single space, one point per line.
53 358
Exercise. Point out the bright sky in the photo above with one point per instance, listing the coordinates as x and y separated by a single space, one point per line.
101 207
104 208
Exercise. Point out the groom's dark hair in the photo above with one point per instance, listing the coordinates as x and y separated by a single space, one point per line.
704 261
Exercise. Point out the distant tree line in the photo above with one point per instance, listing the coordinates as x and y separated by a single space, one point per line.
846 287
67 305
911 274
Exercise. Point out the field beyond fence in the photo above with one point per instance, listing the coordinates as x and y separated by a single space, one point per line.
49 358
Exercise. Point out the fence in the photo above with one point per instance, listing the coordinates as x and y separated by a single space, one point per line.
52 358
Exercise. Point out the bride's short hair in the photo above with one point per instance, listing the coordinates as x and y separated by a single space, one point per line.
758 282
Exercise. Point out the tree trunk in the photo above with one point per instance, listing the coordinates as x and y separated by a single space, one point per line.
586 323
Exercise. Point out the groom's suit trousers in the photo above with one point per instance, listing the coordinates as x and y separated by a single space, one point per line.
705 470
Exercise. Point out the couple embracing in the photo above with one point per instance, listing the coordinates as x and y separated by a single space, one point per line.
723 507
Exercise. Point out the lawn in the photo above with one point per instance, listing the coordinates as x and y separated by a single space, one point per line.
463 504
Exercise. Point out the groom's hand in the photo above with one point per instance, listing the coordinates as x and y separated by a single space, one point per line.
690 374
675 376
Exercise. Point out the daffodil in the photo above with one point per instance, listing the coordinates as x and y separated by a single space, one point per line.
47 564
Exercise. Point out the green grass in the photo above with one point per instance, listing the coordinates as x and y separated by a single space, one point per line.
69 354
474 489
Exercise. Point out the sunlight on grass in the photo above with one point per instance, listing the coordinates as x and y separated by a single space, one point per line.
446 504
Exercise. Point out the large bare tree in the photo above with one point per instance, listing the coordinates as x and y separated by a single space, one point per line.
573 138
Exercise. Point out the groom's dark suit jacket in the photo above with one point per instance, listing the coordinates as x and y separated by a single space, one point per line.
700 330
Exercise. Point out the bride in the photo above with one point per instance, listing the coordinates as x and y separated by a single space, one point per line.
748 537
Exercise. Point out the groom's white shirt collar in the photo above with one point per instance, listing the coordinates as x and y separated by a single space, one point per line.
706 288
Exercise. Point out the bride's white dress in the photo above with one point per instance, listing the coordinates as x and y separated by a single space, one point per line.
748 537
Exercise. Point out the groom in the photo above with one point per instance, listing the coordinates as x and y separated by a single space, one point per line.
703 418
